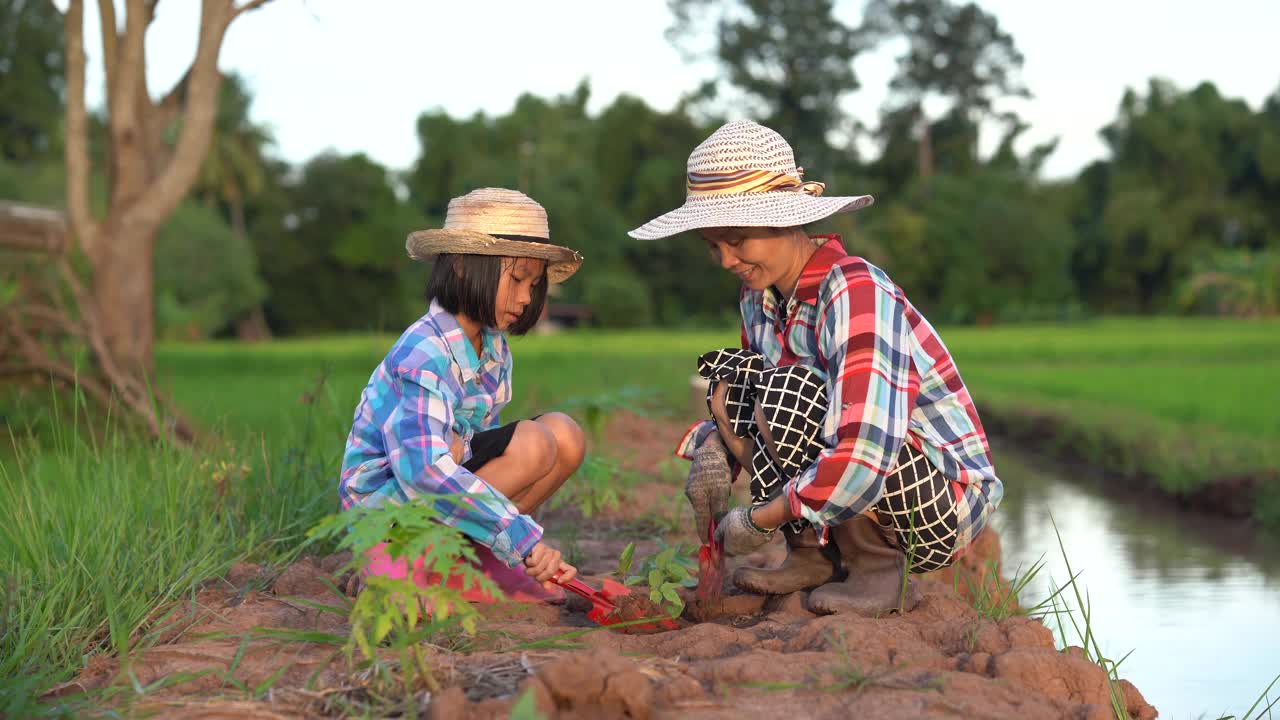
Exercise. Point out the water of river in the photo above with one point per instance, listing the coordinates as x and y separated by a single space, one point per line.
1196 599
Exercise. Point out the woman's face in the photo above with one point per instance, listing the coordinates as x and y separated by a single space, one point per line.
759 256
515 288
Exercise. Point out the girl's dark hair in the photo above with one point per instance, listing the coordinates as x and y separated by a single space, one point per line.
468 285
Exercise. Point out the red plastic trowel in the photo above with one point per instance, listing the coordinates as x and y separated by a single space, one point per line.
710 568
609 608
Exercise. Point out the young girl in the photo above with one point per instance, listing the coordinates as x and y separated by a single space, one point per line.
843 405
427 422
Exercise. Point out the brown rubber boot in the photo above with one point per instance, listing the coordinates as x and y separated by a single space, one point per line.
875 566
806 567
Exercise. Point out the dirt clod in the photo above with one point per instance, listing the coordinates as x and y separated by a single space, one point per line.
304 578
598 684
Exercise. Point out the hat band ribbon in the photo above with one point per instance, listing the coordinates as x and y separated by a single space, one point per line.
740 182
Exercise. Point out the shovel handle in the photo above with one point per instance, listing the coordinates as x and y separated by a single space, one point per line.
577 586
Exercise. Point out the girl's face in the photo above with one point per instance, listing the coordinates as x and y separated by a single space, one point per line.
515 288
759 256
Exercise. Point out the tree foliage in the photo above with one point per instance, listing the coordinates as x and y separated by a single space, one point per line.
31 79
1182 215
793 59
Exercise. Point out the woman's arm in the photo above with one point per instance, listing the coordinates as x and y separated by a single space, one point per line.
773 514
738 447
865 339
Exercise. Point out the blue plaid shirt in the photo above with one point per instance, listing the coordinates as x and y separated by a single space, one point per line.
431 388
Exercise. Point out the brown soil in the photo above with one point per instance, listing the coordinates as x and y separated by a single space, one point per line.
638 607
743 654
640 443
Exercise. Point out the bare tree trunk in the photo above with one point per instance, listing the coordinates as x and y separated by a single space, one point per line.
924 157
123 291
148 178
238 226
252 326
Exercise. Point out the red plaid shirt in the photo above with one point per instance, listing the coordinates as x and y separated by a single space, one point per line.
891 381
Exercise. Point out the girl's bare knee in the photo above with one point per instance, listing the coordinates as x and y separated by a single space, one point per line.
571 442
539 447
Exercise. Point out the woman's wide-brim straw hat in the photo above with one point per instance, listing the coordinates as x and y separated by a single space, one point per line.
745 175
474 221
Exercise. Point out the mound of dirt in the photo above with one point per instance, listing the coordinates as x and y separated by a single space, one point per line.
750 653
261 644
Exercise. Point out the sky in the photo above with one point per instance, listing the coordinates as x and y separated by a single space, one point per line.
353 75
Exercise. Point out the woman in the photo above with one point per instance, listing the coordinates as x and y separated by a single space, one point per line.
843 404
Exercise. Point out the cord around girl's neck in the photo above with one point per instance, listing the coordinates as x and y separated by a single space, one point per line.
473 330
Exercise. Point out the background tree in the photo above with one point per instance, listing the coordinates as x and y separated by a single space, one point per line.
149 176
234 173
32 81
331 248
956 53
792 59
1190 175
235 168
597 177
206 275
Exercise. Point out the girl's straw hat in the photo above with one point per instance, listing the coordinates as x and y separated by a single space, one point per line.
473 220
745 175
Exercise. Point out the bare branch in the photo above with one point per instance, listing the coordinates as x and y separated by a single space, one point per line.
110 44
203 82
136 396
41 363
151 122
76 152
129 169
53 317
133 53
247 7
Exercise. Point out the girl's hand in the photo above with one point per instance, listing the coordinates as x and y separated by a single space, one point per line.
737 446
456 449
543 562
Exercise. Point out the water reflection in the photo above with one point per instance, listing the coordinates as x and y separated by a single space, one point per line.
1196 599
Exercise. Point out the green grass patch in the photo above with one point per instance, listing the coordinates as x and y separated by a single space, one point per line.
1182 403
258 388
1191 375
99 534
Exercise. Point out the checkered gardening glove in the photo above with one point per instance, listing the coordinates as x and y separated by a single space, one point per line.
708 486
739 535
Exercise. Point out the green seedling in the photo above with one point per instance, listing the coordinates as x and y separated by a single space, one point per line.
666 571
595 409
397 612
595 487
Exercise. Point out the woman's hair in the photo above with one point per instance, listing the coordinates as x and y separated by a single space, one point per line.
468 285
